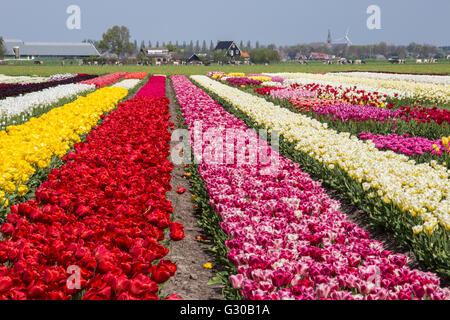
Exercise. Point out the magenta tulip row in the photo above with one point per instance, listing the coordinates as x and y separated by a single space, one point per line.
405 144
358 113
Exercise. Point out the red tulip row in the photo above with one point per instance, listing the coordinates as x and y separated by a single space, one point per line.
106 80
136 75
423 114
95 228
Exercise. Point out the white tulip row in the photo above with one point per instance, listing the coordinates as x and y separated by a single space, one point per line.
21 79
421 190
434 93
13 106
127 84
274 84
397 76
61 76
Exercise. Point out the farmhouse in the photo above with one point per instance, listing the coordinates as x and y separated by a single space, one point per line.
230 47
195 58
246 57
48 50
158 55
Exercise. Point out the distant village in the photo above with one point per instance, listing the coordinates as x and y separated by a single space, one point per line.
222 52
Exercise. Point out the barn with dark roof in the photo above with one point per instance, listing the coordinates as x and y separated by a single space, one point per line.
230 47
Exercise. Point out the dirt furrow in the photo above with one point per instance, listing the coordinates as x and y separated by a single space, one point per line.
190 280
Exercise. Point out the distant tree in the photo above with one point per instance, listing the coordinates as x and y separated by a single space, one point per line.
204 49
184 45
135 44
172 48
197 46
414 49
142 44
117 40
264 55
241 45
191 46
291 52
164 44
221 56
157 44
149 44
249 45
2 49
257 45
211 46
140 56
382 48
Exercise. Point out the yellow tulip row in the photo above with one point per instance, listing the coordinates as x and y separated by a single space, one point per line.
421 190
31 146
260 78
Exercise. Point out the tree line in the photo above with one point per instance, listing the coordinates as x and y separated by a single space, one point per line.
117 41
413 50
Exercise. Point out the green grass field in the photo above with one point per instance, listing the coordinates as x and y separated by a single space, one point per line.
52 67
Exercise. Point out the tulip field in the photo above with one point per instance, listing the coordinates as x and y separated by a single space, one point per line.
277 164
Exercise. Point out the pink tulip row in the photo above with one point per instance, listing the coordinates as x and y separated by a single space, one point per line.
291 94
404 144
289 239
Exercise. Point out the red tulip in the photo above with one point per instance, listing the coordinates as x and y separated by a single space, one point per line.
36 291
140 286
160 275
176 231
7 229
5 284
181 190
173 297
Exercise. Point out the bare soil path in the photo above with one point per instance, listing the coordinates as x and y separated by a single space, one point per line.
190 280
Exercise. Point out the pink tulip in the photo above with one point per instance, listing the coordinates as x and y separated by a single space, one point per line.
236 280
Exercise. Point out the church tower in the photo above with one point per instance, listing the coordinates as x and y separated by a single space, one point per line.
329 38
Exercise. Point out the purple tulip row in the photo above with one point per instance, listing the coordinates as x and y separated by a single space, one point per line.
243 81
18 89
289 240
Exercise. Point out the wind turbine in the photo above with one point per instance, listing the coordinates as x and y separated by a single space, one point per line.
346 38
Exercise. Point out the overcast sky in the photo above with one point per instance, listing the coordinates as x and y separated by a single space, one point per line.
269 21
